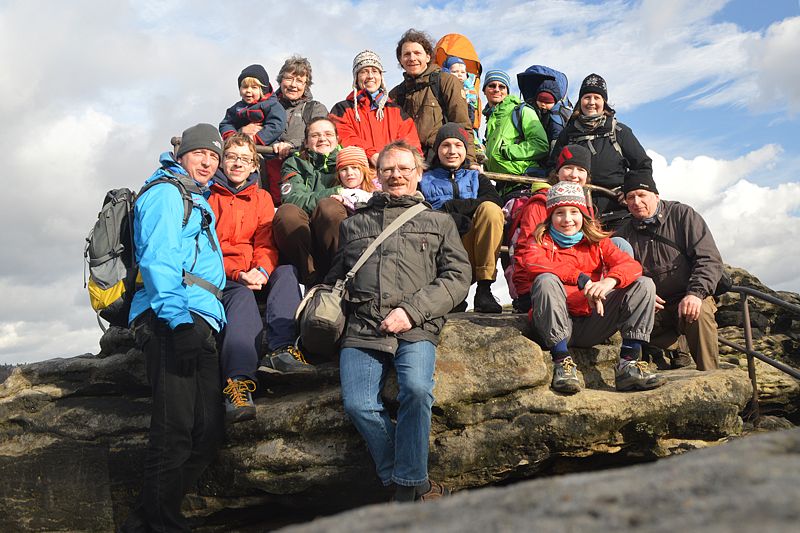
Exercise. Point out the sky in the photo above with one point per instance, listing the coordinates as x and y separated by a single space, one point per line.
91 91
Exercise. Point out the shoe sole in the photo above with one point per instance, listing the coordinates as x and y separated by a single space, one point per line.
640 387
240 415
567 389
270 370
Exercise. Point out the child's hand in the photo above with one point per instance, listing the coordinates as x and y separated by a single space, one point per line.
251 129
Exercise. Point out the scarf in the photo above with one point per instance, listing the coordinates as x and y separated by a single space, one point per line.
377 101
590 122
565 241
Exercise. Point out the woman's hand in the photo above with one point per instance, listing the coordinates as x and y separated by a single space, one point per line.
282 149
397 321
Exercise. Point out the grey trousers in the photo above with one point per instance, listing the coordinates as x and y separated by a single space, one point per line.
630 311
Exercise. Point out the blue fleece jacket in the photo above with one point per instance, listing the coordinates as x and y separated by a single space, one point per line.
165 249
439 185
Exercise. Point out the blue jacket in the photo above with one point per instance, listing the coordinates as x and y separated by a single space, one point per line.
165 248
267 112
438 185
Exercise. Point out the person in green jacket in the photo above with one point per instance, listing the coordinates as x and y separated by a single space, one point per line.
514 144
306 225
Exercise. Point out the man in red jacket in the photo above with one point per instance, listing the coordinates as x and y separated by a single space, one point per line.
368 118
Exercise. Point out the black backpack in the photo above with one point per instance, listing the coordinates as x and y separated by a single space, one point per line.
109 253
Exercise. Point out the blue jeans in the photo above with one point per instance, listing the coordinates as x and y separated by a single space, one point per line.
400 450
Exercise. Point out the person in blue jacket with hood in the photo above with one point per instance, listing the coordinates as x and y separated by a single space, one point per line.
473 202
175 315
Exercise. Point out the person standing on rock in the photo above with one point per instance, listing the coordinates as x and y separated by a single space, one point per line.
175 316
676 249
396 306
584 290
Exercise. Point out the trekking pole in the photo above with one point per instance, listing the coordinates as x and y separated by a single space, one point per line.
176 142
499 176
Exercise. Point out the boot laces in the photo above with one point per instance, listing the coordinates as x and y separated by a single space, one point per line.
237 391
568 364
297 354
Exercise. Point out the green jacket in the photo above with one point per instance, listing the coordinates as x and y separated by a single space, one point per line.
306 181
503 151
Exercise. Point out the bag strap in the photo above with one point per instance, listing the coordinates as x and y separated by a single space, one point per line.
407 215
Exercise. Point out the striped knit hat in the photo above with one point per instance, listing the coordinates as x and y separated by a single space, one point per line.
351 156
497 75
566 193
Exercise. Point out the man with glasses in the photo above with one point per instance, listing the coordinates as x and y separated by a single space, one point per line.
516 142
175 316
397 303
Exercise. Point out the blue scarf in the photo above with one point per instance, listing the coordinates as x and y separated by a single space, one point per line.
565 241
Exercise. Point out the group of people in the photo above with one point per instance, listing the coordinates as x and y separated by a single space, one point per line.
218 283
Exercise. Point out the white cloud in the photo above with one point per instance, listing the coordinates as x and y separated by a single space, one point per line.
755 227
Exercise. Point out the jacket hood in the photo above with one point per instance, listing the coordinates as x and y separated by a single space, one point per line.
221 183
172 169
384 199
506 107
324 162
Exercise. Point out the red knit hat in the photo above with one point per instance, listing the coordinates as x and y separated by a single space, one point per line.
566 193
546 97
351 156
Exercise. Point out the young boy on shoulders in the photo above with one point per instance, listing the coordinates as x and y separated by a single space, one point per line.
258 114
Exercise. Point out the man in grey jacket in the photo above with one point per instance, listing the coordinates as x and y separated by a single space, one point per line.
676 249
395 312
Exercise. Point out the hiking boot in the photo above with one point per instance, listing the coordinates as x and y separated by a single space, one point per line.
678 359
460 308
521 304
634 375
565 377
239 404
287 360
436 492
485 301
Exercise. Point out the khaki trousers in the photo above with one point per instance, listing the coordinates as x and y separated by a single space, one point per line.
482 241
700 337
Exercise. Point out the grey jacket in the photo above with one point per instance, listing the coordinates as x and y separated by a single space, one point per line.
295 131
422 268
696 270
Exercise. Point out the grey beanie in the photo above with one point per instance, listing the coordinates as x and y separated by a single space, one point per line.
198 137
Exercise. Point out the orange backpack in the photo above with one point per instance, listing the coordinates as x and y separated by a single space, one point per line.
455 44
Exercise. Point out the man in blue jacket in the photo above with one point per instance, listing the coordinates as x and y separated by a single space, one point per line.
175 315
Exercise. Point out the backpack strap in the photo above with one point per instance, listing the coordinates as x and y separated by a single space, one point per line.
186 196
192 279
407 215
435 84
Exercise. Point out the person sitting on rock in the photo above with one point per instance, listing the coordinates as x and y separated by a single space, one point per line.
474 204
306 225
395 312
244 214
676 249
368 118
584 290
357 179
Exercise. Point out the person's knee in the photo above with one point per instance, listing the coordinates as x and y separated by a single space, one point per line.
417 392
623 245
490 214
544 283
329 210
287 217
644 285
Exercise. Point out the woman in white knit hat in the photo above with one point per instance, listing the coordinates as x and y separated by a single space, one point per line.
368 118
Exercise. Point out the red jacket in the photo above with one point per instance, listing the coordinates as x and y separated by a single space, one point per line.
244 226
597 260
369 133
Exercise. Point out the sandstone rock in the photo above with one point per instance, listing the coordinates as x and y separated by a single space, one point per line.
748 485
72 431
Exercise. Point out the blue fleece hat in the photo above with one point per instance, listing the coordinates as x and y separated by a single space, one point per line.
497 75
450 61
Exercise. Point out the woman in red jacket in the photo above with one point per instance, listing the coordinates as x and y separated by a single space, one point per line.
244 215
368 118
584 290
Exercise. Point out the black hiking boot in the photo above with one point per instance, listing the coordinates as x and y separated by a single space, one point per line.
286 360
485 301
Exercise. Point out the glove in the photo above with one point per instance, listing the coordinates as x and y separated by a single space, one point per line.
186 345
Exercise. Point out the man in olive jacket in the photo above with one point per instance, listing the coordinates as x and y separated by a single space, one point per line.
395 312
429 96
677 251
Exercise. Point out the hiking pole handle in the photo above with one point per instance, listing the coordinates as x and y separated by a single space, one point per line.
260 149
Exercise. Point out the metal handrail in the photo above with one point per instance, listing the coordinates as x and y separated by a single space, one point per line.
747 349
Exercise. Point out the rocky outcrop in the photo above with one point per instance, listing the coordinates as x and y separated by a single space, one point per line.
748 485
72 431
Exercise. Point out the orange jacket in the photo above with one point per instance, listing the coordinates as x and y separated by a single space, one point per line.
244 226
602 260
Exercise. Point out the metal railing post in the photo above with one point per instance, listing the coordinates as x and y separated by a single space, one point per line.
751 362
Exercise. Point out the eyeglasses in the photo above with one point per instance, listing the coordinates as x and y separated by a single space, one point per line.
497 87
406 172
326 134
232 158
291 80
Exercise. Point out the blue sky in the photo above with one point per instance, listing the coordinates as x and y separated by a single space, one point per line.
92 91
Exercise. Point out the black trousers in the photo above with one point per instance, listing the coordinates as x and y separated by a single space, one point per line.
186 425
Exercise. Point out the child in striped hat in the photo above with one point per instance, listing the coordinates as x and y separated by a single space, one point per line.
353 173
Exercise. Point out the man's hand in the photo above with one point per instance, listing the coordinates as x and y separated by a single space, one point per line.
659 303
689 308
186 344
397 321
282 149
253 279
374 160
